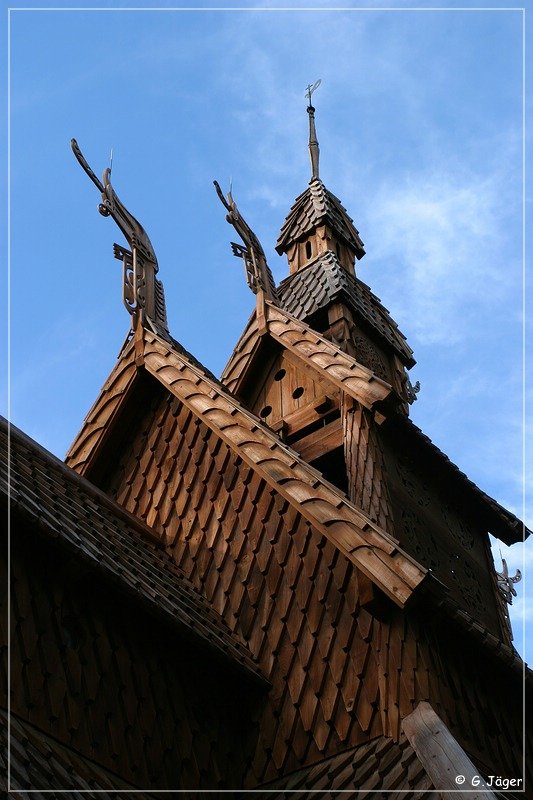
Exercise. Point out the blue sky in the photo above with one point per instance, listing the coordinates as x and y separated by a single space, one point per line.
419 119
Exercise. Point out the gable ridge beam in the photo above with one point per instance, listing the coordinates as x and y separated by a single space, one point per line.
376 553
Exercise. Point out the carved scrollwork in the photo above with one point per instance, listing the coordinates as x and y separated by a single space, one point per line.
459 529
367 354
258 274
139 264
506 582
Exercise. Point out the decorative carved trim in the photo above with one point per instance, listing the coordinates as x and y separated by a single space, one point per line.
258 274
142 293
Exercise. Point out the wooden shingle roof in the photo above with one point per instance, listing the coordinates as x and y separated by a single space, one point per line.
39 762
62 505
362 541
499 521
326 508
316 206
314 287
379 765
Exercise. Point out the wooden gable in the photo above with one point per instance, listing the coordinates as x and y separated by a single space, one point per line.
309 352
277 552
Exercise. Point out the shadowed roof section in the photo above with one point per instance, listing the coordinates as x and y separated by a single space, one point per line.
499 522
38 761
63 506
366 545
325 281
380 765
349 529
318 206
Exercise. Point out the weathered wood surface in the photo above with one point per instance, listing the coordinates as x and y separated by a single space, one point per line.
287 392
329 360
324 282
340 674
93 671
442 756
319 442
382 767
443 533
242 355
313 411
276 581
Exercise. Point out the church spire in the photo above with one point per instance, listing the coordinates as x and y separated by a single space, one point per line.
318 223
314 150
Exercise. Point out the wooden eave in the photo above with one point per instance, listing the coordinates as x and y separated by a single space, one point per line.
312 350
498 521
323 281
369 548
372 550
103 414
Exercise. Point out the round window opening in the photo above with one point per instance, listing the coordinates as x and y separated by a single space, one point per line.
280 374
298 392
265 411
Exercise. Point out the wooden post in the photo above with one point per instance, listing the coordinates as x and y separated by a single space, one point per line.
443 758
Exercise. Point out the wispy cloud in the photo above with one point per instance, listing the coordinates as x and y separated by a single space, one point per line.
450 237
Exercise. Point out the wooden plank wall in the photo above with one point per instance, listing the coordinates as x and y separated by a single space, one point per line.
286 389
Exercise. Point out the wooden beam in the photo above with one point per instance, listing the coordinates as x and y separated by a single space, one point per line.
443 758
319 442
313 411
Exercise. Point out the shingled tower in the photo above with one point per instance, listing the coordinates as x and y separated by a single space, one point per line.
324 565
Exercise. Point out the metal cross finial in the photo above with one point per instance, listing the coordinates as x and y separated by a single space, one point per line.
312 88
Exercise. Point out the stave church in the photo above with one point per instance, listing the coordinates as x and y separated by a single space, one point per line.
268 583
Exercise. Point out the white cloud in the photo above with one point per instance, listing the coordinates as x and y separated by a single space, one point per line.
449 233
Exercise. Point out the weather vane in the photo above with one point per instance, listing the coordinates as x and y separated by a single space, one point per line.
310 89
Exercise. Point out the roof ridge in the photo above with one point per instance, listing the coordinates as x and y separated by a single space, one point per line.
407 425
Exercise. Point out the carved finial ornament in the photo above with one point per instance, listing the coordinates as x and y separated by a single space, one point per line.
314 151
506 581
258 274
143 293
506 587
411 391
